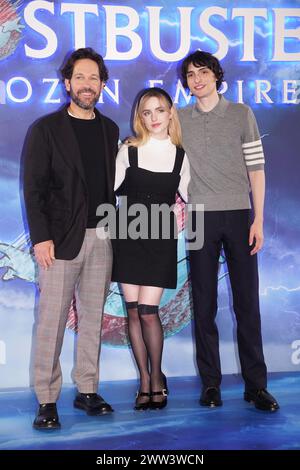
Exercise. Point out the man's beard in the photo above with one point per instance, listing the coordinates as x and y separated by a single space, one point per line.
84 104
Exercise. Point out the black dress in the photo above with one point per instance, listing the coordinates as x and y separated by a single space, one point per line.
148 261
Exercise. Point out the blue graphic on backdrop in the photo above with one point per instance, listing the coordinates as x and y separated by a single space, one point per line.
10 27
18 263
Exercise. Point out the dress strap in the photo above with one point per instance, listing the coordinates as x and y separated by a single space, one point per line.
133 156
178 160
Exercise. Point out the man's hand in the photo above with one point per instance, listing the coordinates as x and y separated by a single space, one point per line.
256 234
44 253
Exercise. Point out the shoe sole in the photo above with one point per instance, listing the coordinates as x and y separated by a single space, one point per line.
46 428
91 413
252 402
211 405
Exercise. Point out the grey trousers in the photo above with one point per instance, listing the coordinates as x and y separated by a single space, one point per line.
88 275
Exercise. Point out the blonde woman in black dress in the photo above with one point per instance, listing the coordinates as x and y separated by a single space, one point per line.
151 167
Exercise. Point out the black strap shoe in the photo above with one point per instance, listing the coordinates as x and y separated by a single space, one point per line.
92 404
47 417
159 405
262 399
211 396
164 392
165 384
141 405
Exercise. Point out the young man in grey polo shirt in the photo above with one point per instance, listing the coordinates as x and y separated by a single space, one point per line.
223 144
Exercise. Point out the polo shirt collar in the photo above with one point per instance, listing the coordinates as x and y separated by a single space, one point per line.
218 110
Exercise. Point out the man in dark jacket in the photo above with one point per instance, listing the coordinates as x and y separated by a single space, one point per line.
69 171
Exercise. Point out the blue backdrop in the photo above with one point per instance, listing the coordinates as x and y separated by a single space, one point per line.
258 44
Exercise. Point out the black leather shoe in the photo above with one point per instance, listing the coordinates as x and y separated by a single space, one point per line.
262 399
92 403
211 396
47 417
142 405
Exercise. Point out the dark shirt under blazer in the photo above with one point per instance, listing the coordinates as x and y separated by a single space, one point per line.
55 191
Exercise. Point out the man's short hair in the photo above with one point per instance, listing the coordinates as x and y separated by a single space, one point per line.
202 59
84 53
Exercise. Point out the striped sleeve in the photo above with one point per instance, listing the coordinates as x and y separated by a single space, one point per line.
252 144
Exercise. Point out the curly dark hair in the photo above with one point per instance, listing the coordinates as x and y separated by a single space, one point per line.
84 53
202 59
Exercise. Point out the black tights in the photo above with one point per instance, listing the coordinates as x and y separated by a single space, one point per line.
146 337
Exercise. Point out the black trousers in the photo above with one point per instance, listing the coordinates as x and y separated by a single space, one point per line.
229 229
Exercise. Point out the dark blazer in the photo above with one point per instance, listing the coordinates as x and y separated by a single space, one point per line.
55 189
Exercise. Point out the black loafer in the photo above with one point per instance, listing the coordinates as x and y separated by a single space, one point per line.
262 399
211 396
47 417
92 404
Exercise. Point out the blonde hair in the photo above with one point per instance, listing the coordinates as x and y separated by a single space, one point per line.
141 133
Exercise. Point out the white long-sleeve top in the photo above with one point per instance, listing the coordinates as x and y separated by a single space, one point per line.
157 156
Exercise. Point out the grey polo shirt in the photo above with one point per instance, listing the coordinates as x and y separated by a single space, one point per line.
222 146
